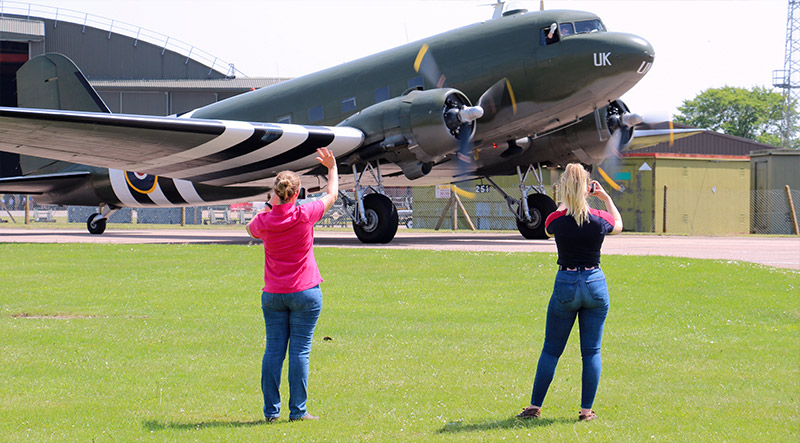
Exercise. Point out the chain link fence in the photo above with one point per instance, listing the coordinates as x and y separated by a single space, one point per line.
771 211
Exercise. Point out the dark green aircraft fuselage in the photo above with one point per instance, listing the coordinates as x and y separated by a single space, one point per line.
552 84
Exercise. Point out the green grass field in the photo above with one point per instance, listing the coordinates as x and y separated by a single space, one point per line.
164 343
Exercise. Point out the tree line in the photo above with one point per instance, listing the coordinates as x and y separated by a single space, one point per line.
756 113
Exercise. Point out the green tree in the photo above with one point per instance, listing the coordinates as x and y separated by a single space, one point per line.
756 113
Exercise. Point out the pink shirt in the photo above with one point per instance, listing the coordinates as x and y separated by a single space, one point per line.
288 236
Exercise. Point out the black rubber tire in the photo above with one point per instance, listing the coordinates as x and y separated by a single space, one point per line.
539 206
382 220
95 227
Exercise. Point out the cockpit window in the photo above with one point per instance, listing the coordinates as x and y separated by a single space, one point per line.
549 35
555 32
588 26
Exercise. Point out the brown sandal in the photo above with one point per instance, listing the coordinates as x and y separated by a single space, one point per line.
588 417
529 412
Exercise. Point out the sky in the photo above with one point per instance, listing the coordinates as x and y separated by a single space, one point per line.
699 44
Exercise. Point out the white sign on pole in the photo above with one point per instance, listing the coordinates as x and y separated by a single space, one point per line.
442 191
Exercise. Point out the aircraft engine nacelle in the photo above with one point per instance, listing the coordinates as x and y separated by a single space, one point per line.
428 124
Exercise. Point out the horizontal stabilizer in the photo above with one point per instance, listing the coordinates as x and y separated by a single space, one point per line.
52 81
41 184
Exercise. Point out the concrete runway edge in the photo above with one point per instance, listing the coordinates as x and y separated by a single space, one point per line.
780 252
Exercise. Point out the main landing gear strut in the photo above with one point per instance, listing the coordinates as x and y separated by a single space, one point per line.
96 223
531 211
374 216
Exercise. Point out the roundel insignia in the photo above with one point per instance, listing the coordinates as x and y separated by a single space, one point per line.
142 183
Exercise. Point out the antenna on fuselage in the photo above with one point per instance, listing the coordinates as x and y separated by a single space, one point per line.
500 9
497 8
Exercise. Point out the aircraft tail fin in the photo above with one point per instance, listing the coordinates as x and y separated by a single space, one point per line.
53 81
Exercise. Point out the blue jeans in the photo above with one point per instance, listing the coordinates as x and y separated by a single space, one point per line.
290 320
575 293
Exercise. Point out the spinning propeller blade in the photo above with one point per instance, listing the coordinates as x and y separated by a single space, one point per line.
426 65
620 123
499 96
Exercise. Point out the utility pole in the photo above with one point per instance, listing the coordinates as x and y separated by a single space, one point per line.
788 78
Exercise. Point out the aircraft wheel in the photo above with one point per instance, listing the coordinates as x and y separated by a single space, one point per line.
381 218
95 227
539 206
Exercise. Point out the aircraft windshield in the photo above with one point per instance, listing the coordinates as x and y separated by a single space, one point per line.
555 32
587 26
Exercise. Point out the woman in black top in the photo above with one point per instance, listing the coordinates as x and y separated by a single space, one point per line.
580 288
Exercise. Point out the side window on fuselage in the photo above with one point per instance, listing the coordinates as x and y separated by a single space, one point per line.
545 38
416 82
285 119
348 104
316 114
566 29
381 94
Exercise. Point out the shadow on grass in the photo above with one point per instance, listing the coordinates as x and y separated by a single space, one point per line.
154 425
509 423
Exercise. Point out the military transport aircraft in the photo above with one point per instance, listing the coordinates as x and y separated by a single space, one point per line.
502 97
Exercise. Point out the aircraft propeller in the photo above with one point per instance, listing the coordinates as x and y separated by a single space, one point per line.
499 96
426 65
620 123
463 117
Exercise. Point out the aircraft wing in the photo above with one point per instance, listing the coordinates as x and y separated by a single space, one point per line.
215 152
644 138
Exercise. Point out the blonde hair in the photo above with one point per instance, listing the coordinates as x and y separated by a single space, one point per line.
573 187
287 185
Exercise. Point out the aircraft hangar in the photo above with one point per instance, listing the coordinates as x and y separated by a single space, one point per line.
134 70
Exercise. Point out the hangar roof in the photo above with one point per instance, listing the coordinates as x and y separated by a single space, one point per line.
705 143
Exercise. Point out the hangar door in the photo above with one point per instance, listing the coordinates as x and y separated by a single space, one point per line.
12 56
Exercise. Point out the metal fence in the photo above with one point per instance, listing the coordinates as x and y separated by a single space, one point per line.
771 211
689 212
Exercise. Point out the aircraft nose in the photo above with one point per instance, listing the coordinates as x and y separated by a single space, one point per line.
634 52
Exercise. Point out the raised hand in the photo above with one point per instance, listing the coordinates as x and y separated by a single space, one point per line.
326 158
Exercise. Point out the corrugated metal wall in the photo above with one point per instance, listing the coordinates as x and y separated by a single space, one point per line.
101 54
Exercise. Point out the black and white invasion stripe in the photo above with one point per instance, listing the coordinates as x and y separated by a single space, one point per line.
167 192
247 152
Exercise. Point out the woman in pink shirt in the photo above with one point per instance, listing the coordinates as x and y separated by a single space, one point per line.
291 298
